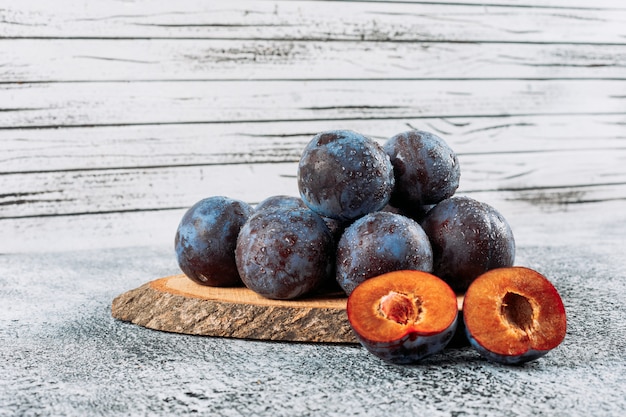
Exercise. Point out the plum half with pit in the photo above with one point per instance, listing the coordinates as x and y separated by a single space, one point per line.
403 316
426 169
468 238
513 315
380 242
284 253
206 239
344 175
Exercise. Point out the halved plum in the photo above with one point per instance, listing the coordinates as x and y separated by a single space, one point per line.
513 315
403 316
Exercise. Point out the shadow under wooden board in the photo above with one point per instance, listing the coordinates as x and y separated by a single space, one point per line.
177 304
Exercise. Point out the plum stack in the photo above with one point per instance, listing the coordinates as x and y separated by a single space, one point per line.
367 211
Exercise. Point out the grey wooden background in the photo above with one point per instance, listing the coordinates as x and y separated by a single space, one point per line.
117 115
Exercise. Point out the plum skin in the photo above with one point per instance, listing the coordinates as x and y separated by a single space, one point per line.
284 253
468 238
529 355
206 238
426 169
380 242
284 201
412 347
344 175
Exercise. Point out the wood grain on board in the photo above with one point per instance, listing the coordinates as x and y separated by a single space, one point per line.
176 304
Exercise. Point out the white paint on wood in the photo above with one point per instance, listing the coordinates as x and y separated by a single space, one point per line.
87 148
95 191
59 60
535 222
117 114
308 20
87 104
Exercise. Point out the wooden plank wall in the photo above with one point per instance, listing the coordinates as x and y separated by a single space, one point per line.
115 116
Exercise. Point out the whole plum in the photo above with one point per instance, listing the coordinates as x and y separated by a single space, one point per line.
284 253
468 238
426 169
335 227
206 238
344 175
378 243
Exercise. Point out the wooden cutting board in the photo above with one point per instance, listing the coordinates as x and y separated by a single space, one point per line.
177 304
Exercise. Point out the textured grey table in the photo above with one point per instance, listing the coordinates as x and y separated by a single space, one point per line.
63 354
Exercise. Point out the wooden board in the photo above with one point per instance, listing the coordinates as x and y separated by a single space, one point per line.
177 304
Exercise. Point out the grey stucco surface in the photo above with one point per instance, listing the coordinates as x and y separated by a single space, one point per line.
61 353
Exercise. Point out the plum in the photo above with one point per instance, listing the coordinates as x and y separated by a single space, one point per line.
284 253
468 238
513 315
403 316
344 175
206 238
377 243
426 169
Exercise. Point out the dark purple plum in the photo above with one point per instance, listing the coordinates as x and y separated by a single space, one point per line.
284 201
284 253
206 238
468 238
378 243
344 175
335 227
426 169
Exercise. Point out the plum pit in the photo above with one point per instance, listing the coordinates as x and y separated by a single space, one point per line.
517 311
401 308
